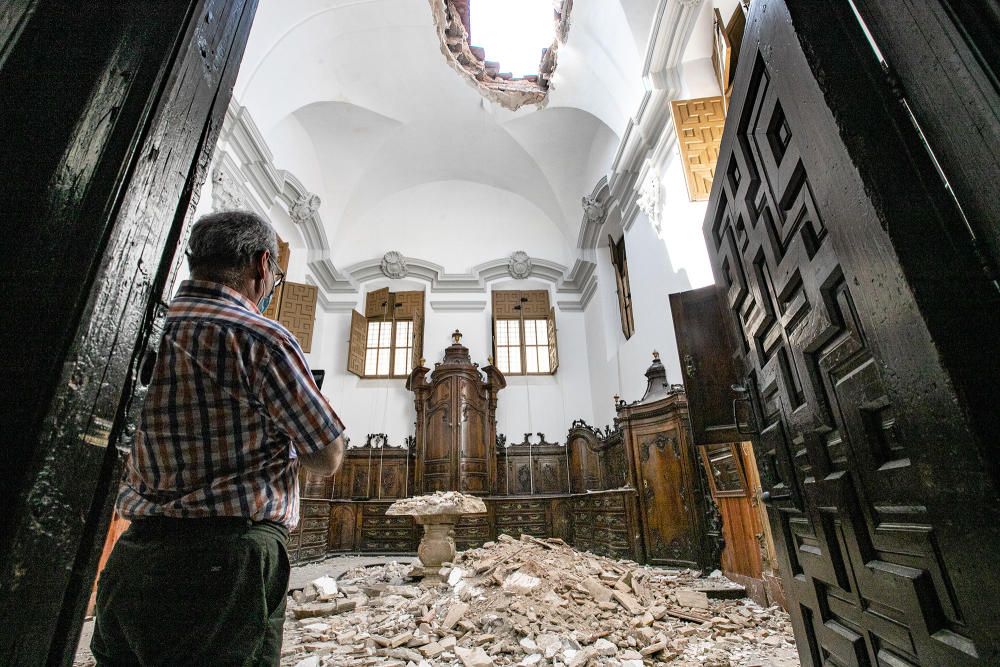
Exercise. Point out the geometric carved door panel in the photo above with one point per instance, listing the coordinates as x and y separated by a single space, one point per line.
884 518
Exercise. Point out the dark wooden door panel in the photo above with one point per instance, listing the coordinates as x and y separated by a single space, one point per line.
881 499
706 352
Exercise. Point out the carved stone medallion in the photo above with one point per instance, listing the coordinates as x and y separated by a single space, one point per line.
304 207
519 265
394 265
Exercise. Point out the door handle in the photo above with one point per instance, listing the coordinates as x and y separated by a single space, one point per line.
744 397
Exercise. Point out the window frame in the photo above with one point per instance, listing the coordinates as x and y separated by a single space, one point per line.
392 347
543 324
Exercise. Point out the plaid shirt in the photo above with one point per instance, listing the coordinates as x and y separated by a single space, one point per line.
231 406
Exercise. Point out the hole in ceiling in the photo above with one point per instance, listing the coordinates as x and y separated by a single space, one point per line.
499 45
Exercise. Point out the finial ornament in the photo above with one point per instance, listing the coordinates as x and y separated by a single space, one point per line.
489 360
656 355
617 399
456 337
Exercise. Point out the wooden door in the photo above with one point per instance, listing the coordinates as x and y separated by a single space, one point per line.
849 279
705 346
109 118
439 463
471 434
667 489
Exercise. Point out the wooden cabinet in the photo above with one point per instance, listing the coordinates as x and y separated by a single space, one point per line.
456 423
666 473
309 540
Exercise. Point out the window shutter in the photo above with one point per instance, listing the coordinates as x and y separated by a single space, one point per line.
356 348
298 312
553 347
378 303
418 337
273 308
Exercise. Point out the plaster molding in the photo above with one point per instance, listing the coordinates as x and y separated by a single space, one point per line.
250 161
649 137
476 306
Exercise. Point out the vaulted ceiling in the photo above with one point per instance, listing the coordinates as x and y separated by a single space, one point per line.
356 98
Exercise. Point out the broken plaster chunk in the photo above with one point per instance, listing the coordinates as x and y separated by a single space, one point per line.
448 502
604 647
628 602
473 657
326 588
691 599
520 583
454 615
530 660
597 590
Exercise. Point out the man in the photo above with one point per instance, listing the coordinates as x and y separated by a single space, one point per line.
210 486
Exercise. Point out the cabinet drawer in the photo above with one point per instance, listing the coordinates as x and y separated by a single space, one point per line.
309 539
311 553
312 508
390 546
376 509
315 523
387 522
388 533
517 519
508 506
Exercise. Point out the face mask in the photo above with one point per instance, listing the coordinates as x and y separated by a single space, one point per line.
265 302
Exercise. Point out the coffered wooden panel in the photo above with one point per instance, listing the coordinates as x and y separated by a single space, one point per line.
699 124
298 312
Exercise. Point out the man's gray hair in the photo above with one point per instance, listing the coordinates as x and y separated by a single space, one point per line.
222 245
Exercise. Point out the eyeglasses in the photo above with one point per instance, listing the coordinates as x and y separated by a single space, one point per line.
279 275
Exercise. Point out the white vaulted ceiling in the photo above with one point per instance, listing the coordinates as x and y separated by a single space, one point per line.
357 100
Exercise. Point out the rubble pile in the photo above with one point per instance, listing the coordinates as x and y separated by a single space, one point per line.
532 602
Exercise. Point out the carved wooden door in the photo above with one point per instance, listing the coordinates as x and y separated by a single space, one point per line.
880 498
439 461
471 432
706 352
667 488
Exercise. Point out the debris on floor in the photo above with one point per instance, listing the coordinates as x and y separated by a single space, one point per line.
532 602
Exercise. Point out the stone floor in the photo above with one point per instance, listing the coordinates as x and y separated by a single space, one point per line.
522 602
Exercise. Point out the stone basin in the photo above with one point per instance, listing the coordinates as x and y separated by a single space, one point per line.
437 513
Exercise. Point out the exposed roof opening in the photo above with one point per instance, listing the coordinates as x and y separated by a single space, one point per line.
514 33
526 34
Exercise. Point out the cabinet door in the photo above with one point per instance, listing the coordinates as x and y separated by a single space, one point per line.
707 364
472 432
666 494
438 461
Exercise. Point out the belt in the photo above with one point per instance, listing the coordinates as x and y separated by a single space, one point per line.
215 525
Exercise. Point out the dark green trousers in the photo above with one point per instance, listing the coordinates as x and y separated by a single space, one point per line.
193 592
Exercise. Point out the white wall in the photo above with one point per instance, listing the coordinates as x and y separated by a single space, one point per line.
546 404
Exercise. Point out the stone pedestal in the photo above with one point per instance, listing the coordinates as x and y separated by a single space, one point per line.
437 513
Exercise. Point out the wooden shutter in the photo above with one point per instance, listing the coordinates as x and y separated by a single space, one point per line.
418 337
356 347
273 308
378 303
620 263
708 363
553 346
298 312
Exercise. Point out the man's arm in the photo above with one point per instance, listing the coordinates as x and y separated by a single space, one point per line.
326 461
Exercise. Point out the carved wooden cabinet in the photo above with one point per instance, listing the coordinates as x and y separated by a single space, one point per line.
456 423
667 475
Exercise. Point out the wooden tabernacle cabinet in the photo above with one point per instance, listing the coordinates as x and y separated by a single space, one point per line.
456 423
664 469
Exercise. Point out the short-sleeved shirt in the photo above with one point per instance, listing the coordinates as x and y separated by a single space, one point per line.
230 407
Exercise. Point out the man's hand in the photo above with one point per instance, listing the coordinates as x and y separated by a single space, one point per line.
326 461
